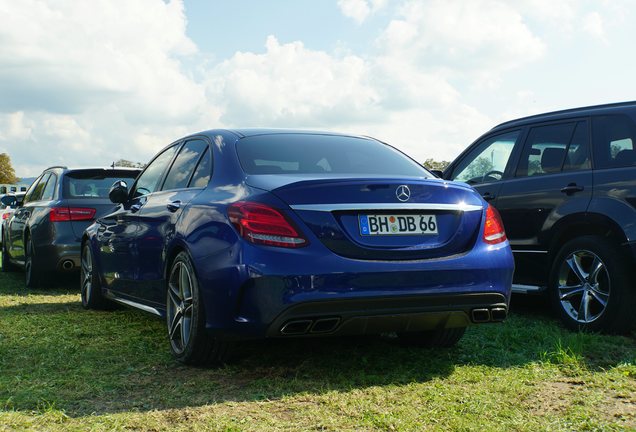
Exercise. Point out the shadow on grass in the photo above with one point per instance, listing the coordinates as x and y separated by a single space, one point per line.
56 355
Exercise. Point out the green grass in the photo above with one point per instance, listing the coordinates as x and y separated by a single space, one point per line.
64 368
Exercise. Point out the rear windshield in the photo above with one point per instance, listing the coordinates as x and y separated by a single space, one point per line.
94 183
329 154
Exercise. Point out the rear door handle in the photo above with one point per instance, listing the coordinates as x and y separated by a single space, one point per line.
174 206
488 196
571 188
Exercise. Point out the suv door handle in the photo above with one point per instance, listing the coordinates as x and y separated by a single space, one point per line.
488 196
174 205
571 188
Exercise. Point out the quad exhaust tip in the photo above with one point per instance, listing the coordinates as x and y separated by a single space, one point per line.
312 326
483 315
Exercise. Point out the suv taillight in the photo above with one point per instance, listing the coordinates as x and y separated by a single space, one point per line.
493 228
65 214
262 224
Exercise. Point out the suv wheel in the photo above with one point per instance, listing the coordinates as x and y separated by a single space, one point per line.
31 268
185 317
590 286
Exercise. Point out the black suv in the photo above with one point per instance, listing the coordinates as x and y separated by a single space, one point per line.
565 185
44 234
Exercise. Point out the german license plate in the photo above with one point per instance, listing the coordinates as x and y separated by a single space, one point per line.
398 224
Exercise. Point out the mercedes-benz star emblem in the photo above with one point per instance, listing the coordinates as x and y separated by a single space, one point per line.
403 193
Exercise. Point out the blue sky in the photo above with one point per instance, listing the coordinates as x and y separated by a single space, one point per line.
86 83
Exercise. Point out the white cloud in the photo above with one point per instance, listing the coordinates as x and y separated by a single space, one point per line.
289 85
467 37
593 24
88 76
359 10
86 83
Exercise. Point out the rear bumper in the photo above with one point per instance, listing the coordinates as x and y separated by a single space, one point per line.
293 293
59 257
380 315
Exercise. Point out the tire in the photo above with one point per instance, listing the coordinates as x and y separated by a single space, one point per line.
185 318
438 338
590 287
31 266
90 285
6 263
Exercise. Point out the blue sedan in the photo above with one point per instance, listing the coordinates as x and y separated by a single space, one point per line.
232 235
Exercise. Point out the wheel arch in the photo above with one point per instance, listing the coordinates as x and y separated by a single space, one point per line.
584 224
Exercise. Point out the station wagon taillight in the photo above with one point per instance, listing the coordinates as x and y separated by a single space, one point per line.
261 224
493 228
66 214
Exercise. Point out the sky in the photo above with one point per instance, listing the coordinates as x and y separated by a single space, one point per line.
85 83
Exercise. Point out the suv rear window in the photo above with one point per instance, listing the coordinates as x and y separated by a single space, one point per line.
327 154
94 183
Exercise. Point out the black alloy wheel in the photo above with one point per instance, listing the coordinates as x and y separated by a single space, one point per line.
90 286
590 286
31 268
185 318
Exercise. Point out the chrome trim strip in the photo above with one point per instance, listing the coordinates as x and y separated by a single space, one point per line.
387 206
526 289
529 251
138 306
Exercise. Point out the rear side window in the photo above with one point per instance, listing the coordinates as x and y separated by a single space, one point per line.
614 138
35 191
49 190
184 165
93 183
203 172
552 148
320 154
148 182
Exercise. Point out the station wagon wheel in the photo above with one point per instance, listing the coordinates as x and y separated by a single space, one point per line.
6 263
590 286
31 268
90 286
185 318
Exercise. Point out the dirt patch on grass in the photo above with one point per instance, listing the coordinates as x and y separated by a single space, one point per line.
562 398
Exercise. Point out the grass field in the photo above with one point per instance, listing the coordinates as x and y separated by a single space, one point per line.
64 368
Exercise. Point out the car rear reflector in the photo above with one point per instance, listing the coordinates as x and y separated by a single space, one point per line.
261 224
493 228
65 214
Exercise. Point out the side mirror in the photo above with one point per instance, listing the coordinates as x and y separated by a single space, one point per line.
118 192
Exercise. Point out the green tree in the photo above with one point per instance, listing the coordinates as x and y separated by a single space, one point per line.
477 169
435 165
7 173
127 164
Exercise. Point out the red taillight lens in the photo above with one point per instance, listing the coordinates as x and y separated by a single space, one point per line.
262 224
65 214
5 216
493 228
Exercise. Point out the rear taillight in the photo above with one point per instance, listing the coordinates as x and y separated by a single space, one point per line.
262 224
66 214
493 228
5 216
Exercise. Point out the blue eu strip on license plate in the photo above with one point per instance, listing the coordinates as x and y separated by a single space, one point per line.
398 224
